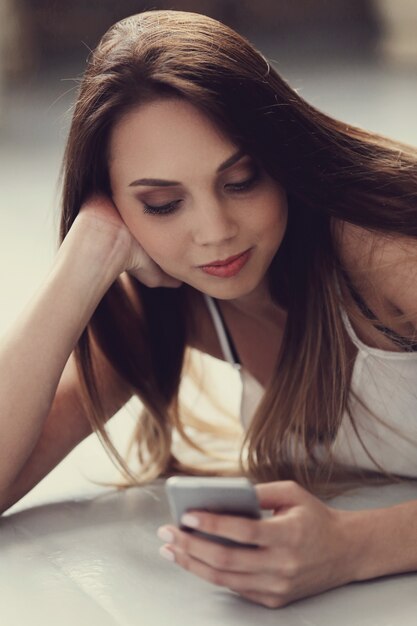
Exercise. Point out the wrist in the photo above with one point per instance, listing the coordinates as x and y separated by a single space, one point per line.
96 245
356 531
380 542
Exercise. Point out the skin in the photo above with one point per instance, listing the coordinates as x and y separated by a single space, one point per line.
301 547
172 140
305 547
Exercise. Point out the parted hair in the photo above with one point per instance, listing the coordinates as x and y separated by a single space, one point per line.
329 169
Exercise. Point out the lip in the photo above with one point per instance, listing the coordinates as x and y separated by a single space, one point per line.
228 268
225 261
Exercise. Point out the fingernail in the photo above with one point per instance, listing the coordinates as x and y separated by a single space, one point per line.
165 535
190 520
167 554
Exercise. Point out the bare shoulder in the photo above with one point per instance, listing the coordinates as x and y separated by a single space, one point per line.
382 263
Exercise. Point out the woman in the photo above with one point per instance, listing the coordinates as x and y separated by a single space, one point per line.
206 205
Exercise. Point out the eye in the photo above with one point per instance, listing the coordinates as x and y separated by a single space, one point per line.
243 185
163 209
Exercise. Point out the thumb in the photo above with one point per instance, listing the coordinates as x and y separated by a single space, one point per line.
280 494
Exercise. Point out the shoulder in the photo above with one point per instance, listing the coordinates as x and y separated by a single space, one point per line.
383 263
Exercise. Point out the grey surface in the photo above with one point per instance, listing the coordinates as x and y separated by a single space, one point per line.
96 560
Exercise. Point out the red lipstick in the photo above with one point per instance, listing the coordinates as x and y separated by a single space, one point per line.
228 267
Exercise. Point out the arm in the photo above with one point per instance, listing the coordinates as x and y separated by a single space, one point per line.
34 353
308 547
383 541
66 425
38 424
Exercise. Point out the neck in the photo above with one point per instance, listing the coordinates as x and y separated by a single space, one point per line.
257 304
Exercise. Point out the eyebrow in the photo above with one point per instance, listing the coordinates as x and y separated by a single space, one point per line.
158 182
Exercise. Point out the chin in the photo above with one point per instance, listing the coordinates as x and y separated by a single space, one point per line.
230 291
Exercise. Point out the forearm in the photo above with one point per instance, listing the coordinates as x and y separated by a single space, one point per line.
382 541
34 352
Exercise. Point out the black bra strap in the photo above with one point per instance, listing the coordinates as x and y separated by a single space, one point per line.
229 338
409 345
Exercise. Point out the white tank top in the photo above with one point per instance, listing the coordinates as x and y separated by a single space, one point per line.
387 384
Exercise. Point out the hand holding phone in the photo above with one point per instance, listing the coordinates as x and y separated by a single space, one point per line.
228 496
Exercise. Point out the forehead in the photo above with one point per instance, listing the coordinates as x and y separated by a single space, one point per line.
164 137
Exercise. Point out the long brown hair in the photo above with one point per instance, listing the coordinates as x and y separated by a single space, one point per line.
329 170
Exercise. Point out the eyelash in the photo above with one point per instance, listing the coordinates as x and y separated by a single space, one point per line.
166 209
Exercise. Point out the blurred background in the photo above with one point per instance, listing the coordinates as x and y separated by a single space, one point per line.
353 59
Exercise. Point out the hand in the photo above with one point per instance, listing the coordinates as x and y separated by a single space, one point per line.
101 215
303 548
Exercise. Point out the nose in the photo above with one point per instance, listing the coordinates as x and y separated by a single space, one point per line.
214 225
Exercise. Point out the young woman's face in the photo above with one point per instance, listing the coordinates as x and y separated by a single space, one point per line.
191 198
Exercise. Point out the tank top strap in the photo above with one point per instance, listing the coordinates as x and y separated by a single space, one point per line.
226 342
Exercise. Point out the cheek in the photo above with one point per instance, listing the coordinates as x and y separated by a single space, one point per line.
159 238
160 241
275 216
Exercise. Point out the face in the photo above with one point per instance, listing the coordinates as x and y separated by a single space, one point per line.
191 197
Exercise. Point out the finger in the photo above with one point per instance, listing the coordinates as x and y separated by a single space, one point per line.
273 531
152 276
280 494
102 208
240 529
277 531
270 601
212 575
226 558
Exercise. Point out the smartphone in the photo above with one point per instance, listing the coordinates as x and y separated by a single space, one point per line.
231 496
